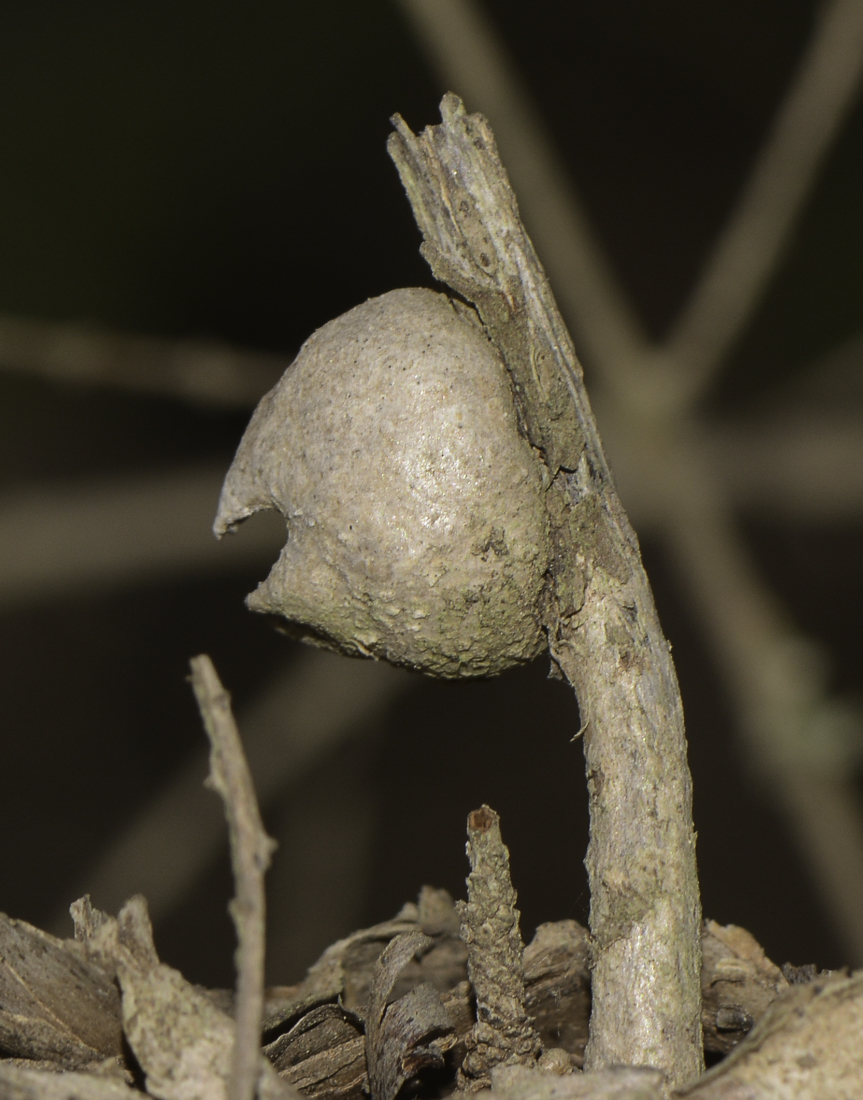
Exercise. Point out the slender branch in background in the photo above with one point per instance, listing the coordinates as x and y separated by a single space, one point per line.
463 47
805 743
319 701
251 850
749 248
201 372
833 380
791 469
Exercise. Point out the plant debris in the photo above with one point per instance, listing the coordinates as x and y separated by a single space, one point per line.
438 999
807 1046
56 1004
401 1038
738 985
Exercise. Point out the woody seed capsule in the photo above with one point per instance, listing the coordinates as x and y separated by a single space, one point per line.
417 530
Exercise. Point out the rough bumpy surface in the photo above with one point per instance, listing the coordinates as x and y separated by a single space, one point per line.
417 530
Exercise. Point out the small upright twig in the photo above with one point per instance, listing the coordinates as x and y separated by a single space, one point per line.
251 850
503 1033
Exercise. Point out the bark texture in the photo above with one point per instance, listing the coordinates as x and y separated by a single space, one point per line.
602 625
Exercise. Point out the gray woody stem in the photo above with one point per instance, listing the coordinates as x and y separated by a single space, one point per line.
251 849
602 624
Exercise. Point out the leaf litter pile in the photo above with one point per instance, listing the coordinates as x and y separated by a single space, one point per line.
443 998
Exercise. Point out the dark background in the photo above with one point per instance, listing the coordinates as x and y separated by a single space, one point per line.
191 169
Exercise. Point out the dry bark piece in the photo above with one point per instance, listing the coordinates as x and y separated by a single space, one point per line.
401 1035
807 1046
490 927
800 975
344 972
557 993
738 985
437 913
557 986
321 1049
408 1040
116 1068
57 1004
323 1054
345 969
181 1040
416 523
20 1083
86 919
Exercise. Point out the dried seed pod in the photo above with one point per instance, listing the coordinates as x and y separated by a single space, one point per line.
417 529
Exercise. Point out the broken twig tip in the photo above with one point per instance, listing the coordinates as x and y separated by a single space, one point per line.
251 849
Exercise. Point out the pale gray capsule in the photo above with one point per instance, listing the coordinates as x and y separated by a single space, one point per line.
417 530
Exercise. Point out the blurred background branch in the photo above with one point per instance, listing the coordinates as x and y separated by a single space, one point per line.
206 373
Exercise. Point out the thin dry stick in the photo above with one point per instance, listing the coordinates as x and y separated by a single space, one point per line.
602 623
251 849
316 702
